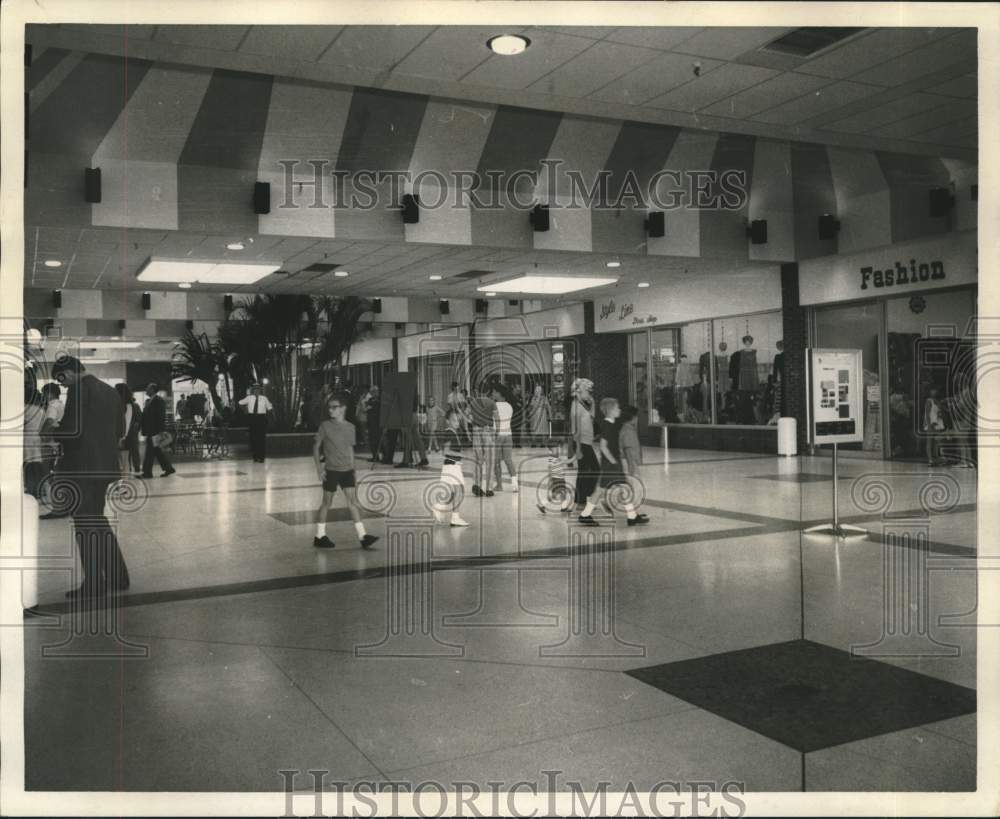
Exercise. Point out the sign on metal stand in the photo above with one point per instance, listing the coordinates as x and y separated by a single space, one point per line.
836 382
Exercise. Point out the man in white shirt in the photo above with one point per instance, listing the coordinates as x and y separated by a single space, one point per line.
257 406
502 414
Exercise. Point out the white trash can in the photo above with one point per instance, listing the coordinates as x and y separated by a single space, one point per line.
787 429
29 550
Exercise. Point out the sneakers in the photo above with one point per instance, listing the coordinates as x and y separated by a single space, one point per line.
513 484
323 542
638 520
587 520
458 520
367 541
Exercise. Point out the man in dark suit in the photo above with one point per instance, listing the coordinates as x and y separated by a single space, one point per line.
154 422
91 428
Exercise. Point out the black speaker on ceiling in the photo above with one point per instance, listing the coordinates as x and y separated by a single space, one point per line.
444 306
262 197
147 301
121 324
539 218
411 209
656 224
757 232
92 184
376 305
482 306
828 226
939 201
513 302
227 304
57 299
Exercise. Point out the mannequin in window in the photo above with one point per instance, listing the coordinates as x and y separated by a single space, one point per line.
743 376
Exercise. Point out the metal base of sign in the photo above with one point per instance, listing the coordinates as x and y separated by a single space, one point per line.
836 528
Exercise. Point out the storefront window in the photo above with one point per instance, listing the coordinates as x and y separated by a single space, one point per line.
638 376
930 359
747 383
663 363
693 395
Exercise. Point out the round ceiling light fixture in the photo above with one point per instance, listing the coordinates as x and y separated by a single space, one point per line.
184 285
491 293
507 45
235 246
613 264
435 278
643 284
53 263
341 274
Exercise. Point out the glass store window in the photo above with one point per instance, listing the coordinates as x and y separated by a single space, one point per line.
638 376
931 359
693 395
747 381
663 367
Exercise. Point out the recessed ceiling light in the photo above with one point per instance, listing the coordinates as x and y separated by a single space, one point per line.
547 285
613 264
53 263
434 278
643 284
341 274
174 271
235 246
508 45
491 293
184 285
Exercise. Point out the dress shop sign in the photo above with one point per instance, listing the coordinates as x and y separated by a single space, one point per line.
689 298
890 271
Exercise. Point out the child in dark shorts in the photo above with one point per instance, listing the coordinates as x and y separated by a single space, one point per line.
335 440
612 472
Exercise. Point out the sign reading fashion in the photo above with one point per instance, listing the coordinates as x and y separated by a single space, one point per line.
900 274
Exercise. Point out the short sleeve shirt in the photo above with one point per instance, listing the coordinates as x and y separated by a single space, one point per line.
504 413
338 439
263 406
609 433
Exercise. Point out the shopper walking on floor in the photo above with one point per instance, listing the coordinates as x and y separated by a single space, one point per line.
629 439
451 469
503 453
333 455
90 430
612 473
480 409
582 429
128 446
154 427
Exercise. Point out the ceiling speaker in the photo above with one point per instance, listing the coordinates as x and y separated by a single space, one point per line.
147 301
445 306
939 201
411 209
376 305
828 226
57 299
757 232
121 324
92 185
227 304
539 218
262 197
656 224
482 306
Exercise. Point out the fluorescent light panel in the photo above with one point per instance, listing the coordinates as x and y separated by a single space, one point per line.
547 285
172 271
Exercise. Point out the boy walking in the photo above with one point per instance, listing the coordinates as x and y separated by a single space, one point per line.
335 440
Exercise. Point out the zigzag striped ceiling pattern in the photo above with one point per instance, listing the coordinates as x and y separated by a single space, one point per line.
181 147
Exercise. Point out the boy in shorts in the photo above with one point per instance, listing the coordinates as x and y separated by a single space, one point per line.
612 472
335 440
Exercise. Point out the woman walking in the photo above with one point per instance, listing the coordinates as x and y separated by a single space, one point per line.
581 418
128 446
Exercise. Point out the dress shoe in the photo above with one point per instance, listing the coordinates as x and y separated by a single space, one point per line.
424 462
323 542
638 520
488 493
368 541
587 520
53 515
476 490
169 472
